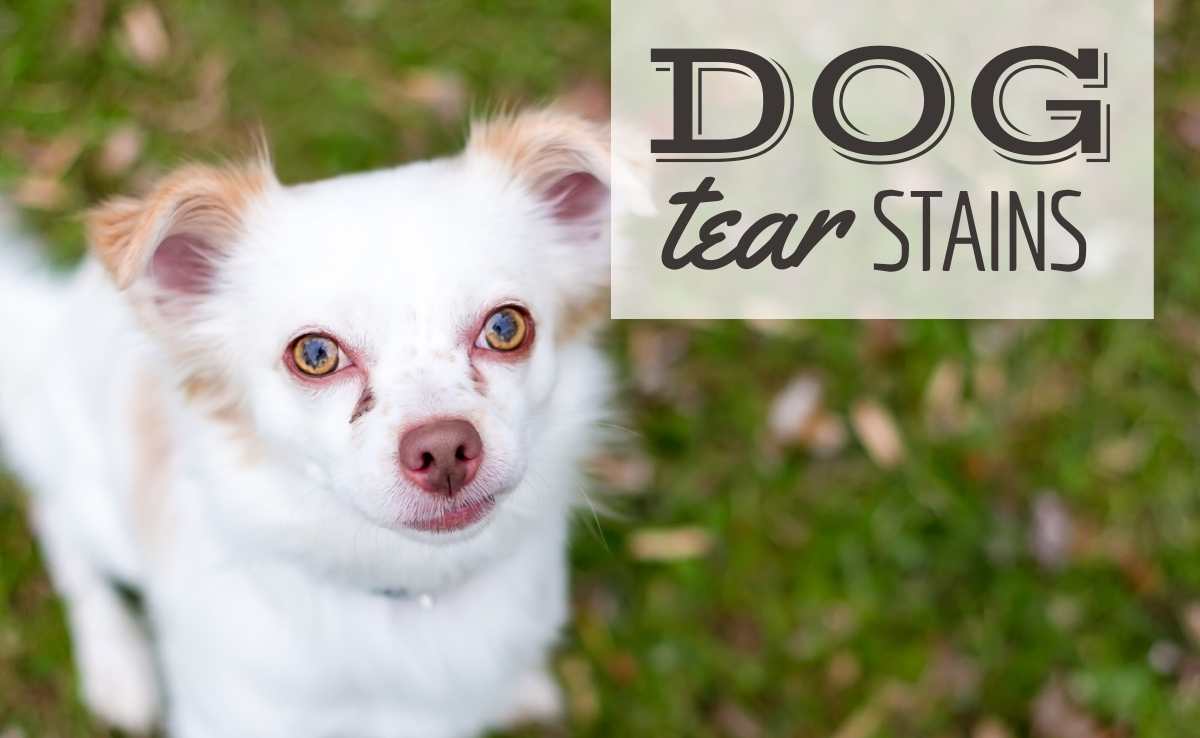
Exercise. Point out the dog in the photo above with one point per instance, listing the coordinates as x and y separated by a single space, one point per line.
331 433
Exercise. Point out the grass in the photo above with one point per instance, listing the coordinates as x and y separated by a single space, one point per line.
839 597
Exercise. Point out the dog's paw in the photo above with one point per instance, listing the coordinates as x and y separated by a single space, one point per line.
116 670
537 699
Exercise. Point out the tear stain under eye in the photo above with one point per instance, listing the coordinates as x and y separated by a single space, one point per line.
366 402
478 380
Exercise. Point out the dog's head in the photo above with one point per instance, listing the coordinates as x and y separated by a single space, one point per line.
408 345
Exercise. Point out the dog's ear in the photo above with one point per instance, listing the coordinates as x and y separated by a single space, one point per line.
174 237
562 159
564 162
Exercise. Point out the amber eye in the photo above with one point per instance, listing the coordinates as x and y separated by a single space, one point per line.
506 329
315 355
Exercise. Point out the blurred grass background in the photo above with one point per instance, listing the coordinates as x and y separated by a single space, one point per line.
856 530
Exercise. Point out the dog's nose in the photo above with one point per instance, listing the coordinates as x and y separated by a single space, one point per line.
441 456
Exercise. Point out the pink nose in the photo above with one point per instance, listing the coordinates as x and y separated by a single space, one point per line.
442 456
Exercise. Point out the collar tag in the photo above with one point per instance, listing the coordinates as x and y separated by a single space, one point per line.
425 599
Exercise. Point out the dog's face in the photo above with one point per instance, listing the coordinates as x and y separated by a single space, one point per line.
397 341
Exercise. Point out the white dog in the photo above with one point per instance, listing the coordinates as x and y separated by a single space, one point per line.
331 432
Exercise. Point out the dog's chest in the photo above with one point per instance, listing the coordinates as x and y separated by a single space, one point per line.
336 657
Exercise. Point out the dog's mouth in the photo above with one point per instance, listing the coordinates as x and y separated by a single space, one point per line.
457 518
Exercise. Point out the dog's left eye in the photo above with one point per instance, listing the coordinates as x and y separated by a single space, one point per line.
316 355
506 329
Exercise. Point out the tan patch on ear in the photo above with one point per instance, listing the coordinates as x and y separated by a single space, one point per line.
152 457
198 198
540 146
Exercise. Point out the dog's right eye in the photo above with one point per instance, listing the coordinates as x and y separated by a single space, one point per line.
505 330
315 355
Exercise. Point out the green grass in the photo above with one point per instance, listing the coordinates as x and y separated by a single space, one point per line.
901 603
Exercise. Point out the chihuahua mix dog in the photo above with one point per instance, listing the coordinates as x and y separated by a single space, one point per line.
330 432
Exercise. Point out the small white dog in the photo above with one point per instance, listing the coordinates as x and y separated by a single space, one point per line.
331 432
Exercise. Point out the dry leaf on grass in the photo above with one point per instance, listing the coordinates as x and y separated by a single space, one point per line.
87 21
794 409
774 327
363 10
40 193
442 92
1122 456
735 722
841 620
882 337
991 340
991 728
630 473
145 35
1187 125
944 398
1056 715
11 643
843 671
1187 687
1052 531
1164 12
827 435
42 188
54 158
990 381
877 430
788 531
622 668
741 630
1118 547
797 417
1191 621
1165 657
208 106
669 544
863 723
121 150
595 600
867 720
1183 327
1051 395
17 144
654 353
952 674
583 700
1064 611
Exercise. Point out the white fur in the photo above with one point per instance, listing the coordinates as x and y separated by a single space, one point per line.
263 576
